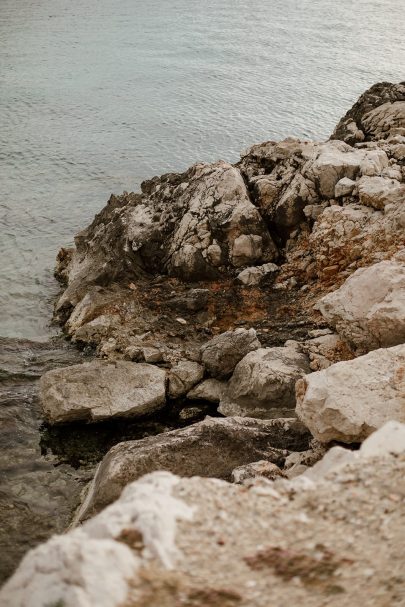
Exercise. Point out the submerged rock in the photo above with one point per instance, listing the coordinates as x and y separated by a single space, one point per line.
100 389
350 400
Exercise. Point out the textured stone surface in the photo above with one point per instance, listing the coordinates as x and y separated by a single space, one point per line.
380 106
213 447
257 274
198 542
183 376
209 390
369 308
351 399
261 469
221 355
262 384
102 390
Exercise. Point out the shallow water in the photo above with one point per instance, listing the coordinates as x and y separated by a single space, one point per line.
98 95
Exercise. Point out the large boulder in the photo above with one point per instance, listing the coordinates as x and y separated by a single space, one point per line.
102 390
213 447
223 352
369 308
198 542
351 399
262 385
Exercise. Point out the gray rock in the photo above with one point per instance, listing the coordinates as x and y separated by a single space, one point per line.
221 355
209 390
101 390
263 383
183 376
213 448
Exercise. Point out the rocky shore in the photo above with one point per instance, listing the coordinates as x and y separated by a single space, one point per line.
261 307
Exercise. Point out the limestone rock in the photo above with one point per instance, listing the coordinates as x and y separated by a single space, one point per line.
101 390
351 399
377 192
209 390
257 274
261 469
183 376
344 187
212 447
223 352
369 308
377 114
262 384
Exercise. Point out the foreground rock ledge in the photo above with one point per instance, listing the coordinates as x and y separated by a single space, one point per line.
199 542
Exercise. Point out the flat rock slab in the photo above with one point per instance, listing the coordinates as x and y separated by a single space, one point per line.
351 399
101 390
213 447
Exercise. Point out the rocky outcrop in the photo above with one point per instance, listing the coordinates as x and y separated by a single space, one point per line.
221 355
262 384
378 114
369 308
350 400
101 390
213 447
171 541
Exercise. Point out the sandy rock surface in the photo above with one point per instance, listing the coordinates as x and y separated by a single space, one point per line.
197 542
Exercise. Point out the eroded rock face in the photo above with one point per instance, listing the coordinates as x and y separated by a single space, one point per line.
213 447
101 390
369 308
378 114
350 400
262 384
169 541
193 225
221 355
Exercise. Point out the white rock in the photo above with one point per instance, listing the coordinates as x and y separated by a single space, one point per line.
369 308
374 162
256 274
344 187
101 390
389 439
351 399
377 192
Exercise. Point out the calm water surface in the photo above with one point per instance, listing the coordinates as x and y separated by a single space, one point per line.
97 95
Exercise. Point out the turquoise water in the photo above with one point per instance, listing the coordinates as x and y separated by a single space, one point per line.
97 95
